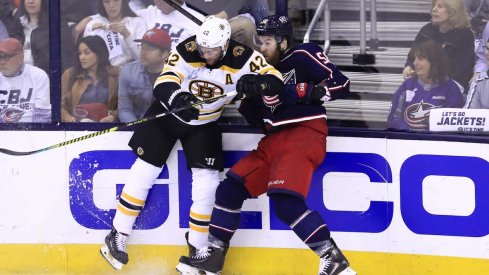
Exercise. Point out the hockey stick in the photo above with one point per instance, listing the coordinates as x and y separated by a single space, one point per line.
116 128
184 12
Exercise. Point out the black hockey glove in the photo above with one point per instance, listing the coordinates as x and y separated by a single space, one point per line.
251 85
185 100
312 94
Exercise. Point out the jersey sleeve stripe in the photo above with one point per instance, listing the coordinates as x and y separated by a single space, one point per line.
167 78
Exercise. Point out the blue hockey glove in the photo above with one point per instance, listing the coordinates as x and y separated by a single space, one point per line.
185 100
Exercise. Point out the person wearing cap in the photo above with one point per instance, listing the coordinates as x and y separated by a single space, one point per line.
24 89
137 78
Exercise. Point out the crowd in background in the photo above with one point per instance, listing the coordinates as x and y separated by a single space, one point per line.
107 74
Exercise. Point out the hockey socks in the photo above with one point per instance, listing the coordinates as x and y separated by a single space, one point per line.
307 225
204 185
230 196
141 178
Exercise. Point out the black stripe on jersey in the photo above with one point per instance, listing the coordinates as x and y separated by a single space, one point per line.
169 73
236 56
200 223
129 205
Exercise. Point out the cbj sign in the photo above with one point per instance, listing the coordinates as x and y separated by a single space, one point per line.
374 220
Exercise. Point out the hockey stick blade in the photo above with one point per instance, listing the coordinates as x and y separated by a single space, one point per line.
116 128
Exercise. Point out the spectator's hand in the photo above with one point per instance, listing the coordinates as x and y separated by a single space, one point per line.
120 28
185 99
80 28
99 26
251 85
408 72
109 118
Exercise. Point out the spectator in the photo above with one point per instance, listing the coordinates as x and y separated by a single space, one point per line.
451 28
24 89
89 88
118 25
139 4
9 24
72 12
163 16
430 88
32 13
137 78
39 40
478 11
478 95
481 65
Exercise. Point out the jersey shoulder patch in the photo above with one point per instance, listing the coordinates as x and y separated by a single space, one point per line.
188 50
237 55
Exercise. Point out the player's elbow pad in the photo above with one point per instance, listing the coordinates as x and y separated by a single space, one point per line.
163 90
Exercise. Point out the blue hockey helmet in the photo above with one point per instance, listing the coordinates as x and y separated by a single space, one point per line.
277 26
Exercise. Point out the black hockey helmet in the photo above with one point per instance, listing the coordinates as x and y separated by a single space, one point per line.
277 26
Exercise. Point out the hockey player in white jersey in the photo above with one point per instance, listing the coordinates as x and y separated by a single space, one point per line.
200 68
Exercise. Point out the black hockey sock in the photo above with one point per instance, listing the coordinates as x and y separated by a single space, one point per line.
308 225
230 196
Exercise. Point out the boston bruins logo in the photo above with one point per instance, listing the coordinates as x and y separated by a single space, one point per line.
204 89
191 46
238 50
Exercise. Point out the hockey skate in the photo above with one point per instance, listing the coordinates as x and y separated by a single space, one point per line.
333 262
184 266
114 249
210 259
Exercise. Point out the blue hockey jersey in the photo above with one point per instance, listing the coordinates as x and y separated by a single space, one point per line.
413 100
305 63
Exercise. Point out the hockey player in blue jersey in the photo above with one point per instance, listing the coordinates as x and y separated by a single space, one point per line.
430 88
294 145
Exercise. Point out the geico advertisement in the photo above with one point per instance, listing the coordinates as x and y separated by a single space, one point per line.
399 196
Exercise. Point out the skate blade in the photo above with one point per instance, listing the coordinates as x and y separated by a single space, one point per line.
184 269
104 250
348 271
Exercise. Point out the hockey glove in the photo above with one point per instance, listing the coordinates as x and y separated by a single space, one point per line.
185 100
312 94
251 85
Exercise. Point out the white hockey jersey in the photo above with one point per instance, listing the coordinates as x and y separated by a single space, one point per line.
20 94
186 68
